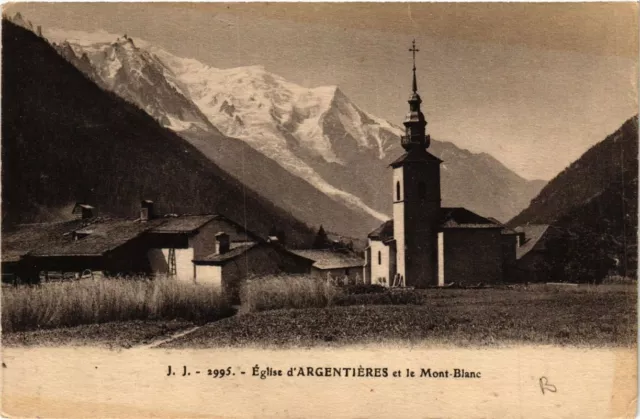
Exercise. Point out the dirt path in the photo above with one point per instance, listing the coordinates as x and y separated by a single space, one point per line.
158 342
174 336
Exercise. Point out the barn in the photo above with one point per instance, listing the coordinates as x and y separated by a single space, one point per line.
232 263
339 264
101 244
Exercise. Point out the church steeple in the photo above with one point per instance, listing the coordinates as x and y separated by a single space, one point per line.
414 50
415 124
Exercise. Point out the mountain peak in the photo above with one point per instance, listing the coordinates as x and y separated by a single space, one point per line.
17 19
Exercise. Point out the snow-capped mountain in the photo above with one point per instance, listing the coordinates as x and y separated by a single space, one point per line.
247 116
250 103
167 88
137 76
315 133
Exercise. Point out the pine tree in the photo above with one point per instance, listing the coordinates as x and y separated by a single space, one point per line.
282 237
322 240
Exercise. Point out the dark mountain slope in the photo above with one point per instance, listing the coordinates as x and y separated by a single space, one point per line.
593 204
65 139
598 168
599 237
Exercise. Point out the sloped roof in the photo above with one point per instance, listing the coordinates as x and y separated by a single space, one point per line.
183 224
99 235
221 258
416 155
505 230
533 234
459 217
455 217
84 206
24 238
384 232
331 259
103 235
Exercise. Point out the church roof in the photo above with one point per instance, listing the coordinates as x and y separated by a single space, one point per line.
533 234
456 217
416 155
505 230
384 232
459 217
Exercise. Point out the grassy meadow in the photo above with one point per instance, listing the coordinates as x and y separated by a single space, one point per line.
586 315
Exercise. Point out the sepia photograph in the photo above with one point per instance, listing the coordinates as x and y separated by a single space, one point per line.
349 210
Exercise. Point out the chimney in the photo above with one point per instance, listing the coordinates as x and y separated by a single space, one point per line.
146 210
83 211
520 239
222 243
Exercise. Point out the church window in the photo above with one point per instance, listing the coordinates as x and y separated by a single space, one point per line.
379 257
397 191
422 190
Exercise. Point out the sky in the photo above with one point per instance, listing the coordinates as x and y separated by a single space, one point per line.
534 85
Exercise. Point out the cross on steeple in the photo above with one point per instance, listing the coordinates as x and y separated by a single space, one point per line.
415 136
414 50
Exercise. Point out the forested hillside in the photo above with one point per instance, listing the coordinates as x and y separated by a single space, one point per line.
593 204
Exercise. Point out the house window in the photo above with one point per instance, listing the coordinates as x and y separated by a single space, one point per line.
379 257
422 190
397 191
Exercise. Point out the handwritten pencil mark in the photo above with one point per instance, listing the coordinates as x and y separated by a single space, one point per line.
545 386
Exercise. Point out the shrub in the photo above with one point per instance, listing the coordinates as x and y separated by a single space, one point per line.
65 304
618 279
364 289
293 291
386 297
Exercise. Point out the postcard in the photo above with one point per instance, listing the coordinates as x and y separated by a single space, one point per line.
311 210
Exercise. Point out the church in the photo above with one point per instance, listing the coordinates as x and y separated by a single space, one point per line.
425 244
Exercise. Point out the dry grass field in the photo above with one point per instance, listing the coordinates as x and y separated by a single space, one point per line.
287 291
84 302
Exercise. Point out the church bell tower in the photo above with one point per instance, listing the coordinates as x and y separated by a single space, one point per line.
416 199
